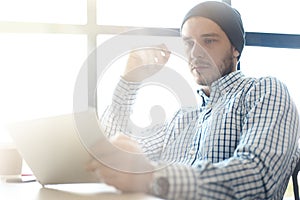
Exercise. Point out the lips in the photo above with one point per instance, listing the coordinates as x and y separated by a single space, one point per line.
200 65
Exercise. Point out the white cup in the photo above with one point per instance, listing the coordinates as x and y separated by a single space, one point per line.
10 160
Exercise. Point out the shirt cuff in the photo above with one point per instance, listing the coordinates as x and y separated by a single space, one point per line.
182 180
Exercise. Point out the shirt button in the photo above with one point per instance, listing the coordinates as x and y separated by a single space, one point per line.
192 152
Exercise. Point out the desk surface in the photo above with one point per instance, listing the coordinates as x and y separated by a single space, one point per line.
34 191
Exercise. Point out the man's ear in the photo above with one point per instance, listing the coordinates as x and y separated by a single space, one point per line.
235 52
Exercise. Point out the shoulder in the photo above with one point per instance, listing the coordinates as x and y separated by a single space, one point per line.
265 85
265 88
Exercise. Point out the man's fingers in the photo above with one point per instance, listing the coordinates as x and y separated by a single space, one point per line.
144 62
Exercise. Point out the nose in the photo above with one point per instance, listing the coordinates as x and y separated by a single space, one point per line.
197 51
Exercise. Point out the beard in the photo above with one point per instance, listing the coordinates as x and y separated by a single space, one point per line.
207 76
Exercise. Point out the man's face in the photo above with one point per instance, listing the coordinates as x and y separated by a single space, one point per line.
209 50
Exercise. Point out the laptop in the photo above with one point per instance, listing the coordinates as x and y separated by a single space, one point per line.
56 148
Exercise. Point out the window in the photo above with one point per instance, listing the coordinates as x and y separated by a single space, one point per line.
37 75
44 11
269 16
43 45
154 13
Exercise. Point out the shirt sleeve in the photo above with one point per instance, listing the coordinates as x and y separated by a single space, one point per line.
263 160
116 119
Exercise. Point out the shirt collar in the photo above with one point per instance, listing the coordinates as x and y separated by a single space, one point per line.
221 87
204 97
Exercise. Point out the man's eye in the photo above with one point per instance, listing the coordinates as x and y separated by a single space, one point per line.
189 43
209 41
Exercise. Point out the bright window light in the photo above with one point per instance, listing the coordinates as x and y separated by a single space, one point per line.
269 16
37 75
45 11
154 13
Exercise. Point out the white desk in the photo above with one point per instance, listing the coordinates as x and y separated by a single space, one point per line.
34 191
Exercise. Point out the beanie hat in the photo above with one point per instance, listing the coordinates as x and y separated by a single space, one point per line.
228 18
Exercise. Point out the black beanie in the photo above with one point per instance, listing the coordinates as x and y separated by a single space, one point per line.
228 18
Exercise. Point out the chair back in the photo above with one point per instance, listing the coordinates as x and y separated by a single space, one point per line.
295 181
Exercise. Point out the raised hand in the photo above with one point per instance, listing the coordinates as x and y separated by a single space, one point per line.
144 62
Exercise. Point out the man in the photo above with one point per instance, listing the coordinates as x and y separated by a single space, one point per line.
240 144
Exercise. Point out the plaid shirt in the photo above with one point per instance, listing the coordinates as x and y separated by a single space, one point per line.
241 143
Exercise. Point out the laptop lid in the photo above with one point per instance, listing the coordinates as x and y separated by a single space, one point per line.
54 149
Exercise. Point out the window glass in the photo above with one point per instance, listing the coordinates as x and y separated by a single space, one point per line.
269 16
47 11
281 63
37 75
154 13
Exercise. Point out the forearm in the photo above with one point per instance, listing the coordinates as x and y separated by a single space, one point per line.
232 179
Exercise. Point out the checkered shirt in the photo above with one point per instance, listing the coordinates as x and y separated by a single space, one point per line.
240 143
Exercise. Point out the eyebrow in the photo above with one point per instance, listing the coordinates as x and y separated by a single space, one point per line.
210 35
